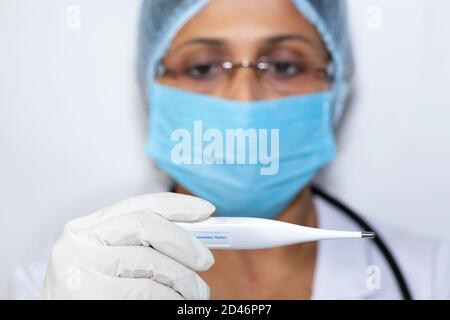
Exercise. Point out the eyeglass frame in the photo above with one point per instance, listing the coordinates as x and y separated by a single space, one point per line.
260 67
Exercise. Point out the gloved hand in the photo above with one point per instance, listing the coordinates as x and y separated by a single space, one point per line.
132 250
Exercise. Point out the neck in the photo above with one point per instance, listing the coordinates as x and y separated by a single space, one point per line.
284 272
300 211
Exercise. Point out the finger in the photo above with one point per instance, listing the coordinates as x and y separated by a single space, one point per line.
179 207
137 289
100 286
141 262
172 206
148 229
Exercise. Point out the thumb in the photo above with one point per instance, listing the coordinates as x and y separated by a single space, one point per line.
173 206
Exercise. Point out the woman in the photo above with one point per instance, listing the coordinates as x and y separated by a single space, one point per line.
279 71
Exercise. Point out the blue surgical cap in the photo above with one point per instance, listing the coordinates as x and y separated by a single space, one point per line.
162 19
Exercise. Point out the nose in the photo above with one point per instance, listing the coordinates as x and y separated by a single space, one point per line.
243 85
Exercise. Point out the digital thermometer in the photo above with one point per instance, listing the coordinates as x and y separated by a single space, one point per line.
256 233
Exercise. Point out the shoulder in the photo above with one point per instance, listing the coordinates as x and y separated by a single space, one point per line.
424 261
27 280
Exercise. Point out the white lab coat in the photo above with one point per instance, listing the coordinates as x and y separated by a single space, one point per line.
345 269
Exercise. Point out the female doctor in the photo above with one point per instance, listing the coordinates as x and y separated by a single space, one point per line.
277 67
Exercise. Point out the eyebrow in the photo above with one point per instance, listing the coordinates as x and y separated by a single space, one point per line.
208 41
289 37
223 43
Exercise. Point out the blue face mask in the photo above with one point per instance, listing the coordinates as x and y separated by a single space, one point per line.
247 158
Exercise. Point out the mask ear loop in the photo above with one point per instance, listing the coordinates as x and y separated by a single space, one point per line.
331 71
161 69
331 74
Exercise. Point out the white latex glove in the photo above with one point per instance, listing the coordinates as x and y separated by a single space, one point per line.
132 250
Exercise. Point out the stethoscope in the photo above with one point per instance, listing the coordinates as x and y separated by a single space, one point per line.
379 242
251 233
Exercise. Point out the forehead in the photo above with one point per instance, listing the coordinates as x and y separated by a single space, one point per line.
244 21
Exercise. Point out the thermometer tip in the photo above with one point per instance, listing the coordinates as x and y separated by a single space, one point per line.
368 235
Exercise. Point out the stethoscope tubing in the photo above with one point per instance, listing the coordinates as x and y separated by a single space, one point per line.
379 242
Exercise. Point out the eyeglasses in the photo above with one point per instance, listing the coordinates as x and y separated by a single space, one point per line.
283 77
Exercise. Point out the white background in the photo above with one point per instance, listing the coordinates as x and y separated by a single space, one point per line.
72 121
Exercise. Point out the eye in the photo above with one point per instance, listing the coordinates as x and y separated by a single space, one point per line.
287 69
204 71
